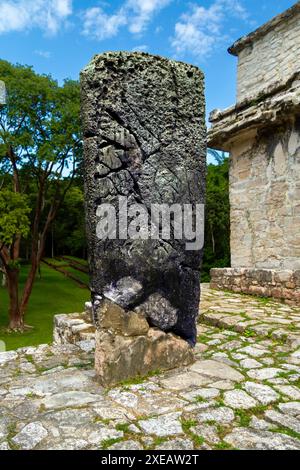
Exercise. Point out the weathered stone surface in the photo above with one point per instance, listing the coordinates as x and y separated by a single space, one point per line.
125 292
222 415
166 425
292 392
264 374
246 439
119 358
68 444
263 58
184 380
144 139
176 444
4 446
7 356
283 420
72 328
205 393
31 435
292 408
126 445
77 413
262 282
216 369
259 424
263 393
239 399
68 399
250 364
114 318
159 311
207 431
261 132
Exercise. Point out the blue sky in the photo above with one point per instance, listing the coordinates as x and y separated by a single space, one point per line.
61 36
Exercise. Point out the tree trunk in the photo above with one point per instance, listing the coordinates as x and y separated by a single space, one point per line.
4 280
29 284
212 238
15 318
36 257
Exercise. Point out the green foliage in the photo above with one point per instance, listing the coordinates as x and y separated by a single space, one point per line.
53 293
14 218
217 218
124 427
187 424
109 442
40 151
41 120
140 379
69 227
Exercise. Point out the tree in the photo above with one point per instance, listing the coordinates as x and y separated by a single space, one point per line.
68 235
14 223
40 148
217 218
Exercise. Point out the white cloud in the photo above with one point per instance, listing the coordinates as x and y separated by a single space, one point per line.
143 11
142 48
199 31
20 15
99 25
134 14
44 54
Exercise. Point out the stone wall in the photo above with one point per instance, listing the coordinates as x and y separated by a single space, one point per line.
265 199
270 55
283 285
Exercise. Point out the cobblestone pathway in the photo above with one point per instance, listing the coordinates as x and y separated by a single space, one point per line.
242 392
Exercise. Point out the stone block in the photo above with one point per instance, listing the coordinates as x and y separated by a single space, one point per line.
120 356
114 318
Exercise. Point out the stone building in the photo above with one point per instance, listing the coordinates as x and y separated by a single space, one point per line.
262 134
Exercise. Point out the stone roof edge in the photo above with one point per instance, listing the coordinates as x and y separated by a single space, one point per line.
243 42
271 107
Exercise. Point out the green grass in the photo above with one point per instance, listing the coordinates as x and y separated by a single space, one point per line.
123 427
108 443
78 260
140 378
223 446
56 262
52 294
78 274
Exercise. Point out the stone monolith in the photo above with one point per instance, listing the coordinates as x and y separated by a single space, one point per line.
144 143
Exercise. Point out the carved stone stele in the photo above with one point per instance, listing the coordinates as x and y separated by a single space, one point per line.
144 140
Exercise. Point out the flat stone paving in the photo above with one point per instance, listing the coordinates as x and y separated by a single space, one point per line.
243 392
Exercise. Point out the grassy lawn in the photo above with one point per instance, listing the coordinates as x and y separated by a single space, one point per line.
78 274
78 260
52 294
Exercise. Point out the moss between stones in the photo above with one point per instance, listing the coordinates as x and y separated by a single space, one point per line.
109 442
287 431
123 427
223 446
140 379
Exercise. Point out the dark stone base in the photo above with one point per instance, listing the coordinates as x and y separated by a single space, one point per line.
282 285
